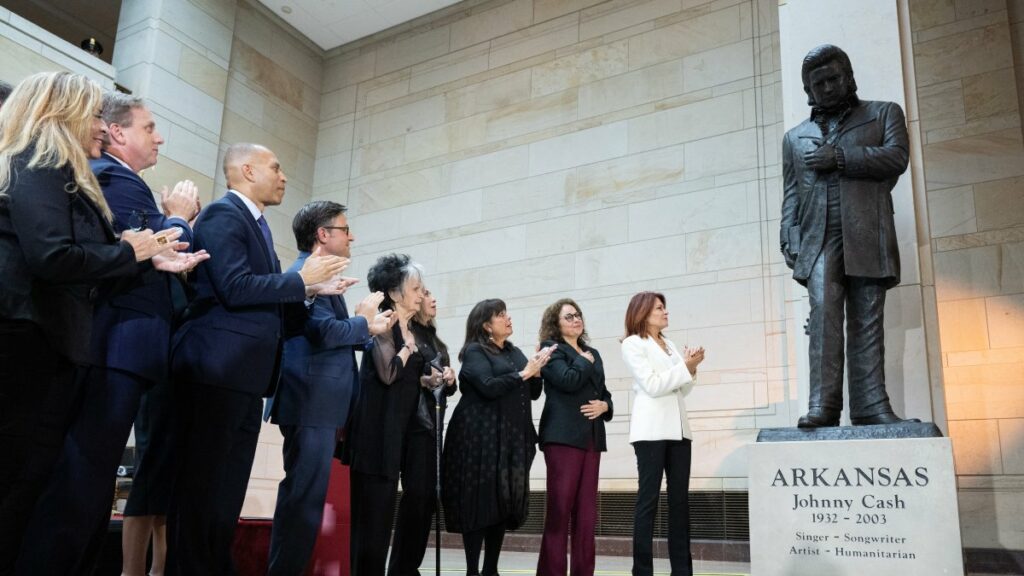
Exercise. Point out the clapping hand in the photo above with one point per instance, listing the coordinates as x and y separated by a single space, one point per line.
693 357
181 202
177 262
537 361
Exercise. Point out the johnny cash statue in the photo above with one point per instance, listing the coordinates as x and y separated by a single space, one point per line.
838 235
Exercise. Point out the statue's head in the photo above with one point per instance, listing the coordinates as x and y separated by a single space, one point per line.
828 77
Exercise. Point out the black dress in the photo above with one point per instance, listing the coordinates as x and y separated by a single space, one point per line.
491 442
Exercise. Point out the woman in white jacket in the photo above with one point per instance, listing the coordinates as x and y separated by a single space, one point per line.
658 430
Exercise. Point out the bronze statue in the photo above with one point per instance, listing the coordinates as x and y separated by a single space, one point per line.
838 236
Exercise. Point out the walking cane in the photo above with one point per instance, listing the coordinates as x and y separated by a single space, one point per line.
438 432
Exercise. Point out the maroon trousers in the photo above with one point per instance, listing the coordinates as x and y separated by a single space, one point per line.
572 497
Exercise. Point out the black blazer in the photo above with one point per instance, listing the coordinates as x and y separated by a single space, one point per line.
570 381
56 252
234 330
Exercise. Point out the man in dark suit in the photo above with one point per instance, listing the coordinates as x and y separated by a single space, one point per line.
838 235
226 356
129 349
319 381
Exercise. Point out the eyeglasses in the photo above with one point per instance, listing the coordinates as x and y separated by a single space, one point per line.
570 317
342 228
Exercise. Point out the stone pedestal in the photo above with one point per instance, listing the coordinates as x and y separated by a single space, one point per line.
884 507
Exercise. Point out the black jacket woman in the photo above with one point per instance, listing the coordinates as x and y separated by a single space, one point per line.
58 255
572 436
491 440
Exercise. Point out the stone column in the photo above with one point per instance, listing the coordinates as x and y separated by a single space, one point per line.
175 54
875 33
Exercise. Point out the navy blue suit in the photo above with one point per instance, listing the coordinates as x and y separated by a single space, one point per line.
319 381
129 350
225 358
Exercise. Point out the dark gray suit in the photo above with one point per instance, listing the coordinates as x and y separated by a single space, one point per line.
838 236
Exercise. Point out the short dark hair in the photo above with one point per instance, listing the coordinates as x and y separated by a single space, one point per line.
640 307
822 56
118 106
5 91
478 316
390 272
549 329
311 218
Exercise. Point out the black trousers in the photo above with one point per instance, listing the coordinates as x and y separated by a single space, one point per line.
372 500
80 489
654 459
831 293
219 432
417 506
37 396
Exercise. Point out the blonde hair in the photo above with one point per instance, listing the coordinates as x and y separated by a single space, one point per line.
54 112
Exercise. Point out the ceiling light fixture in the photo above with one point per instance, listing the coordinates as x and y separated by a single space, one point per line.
92 46
286 9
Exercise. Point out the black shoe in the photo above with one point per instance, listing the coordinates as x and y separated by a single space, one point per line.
818 418
883 418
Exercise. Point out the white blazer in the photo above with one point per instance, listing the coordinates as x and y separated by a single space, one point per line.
660 381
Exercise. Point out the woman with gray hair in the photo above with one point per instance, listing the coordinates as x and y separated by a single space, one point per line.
380 445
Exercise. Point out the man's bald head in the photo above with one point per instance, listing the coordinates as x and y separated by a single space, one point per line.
255 172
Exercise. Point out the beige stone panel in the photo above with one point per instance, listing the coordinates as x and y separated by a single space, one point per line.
976 446
167 172
723 248
990 94
721 453
408 50
991 237
1011 445
951 211
580 68
604 227
721 154
941 105
408 118
199 71
681 213
531 116
347 69
489 248
528 195
488 24
685 38
710 305
548 9
488 95
378 156
971 8
267 74
333 138
992 518
18 62
338 103
556 236
399 190
974 159
626 90
687 123
966 54
298 58
383 89
718 66
1006 320
633 172
332 169
291 126
1000 203
634 261
578 148
928 13
960 26
986 357
717 397
222 11
545 37
489 169
449 68
963 325
970 273
427 143
550 274
1012 266
618 14
409 221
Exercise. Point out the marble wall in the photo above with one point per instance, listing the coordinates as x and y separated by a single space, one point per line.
534 149
967 59
25 49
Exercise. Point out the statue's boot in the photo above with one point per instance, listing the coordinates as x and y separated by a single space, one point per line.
883 418
818 417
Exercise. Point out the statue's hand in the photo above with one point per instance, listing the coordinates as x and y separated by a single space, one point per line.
822 159
789 256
